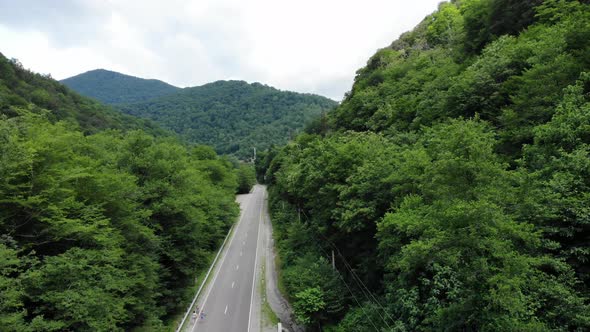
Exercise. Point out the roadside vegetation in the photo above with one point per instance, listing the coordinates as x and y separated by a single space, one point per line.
103 225
452 183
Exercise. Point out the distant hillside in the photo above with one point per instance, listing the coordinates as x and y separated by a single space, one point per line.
233 116
24 91
113 88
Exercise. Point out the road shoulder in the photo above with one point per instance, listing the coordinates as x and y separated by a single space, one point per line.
273 297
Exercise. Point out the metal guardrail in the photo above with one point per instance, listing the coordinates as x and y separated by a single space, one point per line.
181 325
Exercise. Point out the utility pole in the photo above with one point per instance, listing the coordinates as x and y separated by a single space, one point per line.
333 260
253 160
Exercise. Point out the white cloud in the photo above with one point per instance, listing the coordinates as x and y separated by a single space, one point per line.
306 45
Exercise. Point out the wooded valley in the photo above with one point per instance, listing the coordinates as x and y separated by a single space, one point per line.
448 191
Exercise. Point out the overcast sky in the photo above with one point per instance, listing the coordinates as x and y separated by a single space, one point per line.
301 45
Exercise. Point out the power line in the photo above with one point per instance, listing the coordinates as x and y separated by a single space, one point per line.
364 289
360 282
352 293
349 267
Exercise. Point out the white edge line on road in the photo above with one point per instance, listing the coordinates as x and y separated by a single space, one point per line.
237 267
232 284
183 321
255 262
243 213
225 311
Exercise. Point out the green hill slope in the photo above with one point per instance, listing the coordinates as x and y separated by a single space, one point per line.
233 116
452 183
114 88
21 89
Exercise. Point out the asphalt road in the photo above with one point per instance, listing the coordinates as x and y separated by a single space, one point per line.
229 303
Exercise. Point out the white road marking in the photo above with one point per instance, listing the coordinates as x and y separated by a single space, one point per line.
225 312
232 284
243 242
243 213
237 267
241 253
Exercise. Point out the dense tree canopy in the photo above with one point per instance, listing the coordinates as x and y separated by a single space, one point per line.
452 183
99 232
23 89
233 116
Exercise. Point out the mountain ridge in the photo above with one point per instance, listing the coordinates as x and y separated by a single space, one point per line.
233 116
26 91
111 87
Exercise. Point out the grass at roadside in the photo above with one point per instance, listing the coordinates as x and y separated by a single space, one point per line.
277 259
267 311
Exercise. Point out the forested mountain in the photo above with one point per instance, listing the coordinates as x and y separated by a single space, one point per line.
103 226
452 183
23 90
114 88
233 116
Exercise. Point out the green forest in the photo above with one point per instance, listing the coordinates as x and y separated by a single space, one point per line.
233 116
105 220
114 88
452 184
